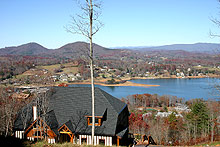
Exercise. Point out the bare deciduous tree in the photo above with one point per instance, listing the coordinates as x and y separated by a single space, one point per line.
87 24
42 103
216 21
79 123
25 114
8 110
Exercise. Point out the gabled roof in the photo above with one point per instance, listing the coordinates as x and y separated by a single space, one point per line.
69 125
122 133
71 102
70 105
51 121
114 102
39 119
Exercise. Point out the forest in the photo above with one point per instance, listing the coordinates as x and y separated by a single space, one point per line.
197 121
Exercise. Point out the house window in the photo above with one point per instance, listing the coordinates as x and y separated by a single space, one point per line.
98 121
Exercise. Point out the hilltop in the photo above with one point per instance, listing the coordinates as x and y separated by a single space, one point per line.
71 50
30 49
81 49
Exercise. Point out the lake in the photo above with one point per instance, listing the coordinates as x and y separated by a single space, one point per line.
182 88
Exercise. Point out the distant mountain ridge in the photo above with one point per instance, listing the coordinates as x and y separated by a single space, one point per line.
68 50
81 49
197 47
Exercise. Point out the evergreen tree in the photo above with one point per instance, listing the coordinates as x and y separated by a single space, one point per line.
198 119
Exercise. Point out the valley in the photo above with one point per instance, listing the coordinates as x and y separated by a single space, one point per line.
33 64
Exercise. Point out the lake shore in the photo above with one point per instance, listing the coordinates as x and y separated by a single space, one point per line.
127 83
103 82
175 77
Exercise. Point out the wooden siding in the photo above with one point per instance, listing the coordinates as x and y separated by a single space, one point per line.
65 130
35 128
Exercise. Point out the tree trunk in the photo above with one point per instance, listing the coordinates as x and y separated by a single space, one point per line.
212 129
195 131
92 73
7 126
85 27
6 120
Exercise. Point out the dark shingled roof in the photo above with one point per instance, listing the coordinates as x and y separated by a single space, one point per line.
70 105
51 121
122 133
71 102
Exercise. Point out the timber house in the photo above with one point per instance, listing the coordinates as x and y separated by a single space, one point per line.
68 118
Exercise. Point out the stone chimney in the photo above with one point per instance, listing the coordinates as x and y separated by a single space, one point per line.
34 112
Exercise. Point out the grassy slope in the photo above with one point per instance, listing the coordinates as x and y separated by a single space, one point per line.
69 68
209 68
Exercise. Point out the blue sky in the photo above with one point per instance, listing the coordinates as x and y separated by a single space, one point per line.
126 22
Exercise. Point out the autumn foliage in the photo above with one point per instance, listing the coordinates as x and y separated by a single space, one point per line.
137 124
200 124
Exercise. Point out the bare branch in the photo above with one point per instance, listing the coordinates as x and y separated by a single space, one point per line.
213 35
80 23
97 28
215 21
78 27
82 17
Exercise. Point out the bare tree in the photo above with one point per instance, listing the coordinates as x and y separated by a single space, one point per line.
216 21
87 24
42 103
25 115
8 110
79 122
